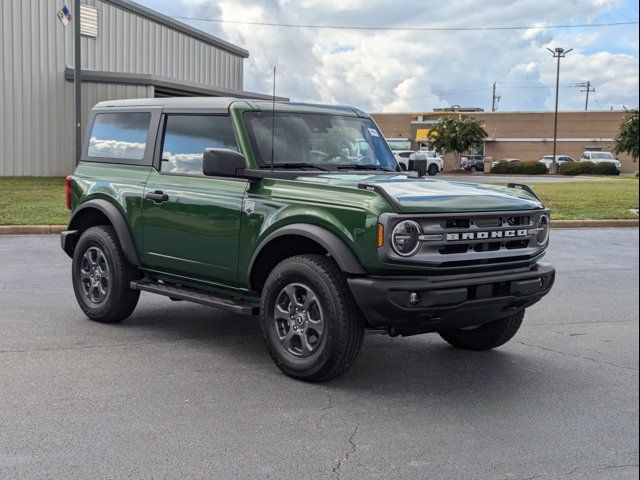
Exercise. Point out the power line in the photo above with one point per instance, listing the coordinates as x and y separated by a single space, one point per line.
573 85
448 92
409 29
475 88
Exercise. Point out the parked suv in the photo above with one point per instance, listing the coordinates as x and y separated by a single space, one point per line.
295 213
601 157
473 163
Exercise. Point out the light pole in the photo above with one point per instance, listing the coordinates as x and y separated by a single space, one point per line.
557 53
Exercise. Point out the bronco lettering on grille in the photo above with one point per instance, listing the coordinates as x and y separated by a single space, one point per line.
486 235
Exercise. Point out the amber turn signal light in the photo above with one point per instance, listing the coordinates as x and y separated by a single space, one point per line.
380 235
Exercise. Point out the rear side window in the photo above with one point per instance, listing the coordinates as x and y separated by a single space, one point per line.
187 136
119 135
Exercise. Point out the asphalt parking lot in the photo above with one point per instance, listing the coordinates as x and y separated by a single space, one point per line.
182 391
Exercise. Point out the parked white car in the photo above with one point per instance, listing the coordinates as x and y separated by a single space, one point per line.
508 160
560 159
601 157
434 161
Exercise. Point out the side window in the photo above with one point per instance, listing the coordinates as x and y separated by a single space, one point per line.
119 135
187 136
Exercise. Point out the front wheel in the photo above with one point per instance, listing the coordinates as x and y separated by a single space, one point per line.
310 322
433 169
487 336
474 169
101 276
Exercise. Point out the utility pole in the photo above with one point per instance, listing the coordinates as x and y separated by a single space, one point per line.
587 89
77 81
495 99
557 53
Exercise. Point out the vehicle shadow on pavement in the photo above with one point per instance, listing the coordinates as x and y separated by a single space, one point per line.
421 365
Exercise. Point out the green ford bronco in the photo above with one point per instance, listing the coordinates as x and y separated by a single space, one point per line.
299 214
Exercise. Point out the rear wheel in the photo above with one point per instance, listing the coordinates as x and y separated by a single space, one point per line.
310 323
474 169
487 336
101 276
433 169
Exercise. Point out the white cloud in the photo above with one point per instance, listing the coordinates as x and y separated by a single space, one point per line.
115 149
411 71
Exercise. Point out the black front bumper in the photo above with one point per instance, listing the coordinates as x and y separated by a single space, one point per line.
448 301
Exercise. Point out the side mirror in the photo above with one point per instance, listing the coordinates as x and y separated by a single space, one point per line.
222 162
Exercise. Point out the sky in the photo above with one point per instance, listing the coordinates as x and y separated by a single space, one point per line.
413 71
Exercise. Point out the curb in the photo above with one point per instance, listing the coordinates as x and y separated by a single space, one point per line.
31 229
594 223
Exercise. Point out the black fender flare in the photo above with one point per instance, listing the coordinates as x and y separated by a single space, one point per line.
334 245
117 219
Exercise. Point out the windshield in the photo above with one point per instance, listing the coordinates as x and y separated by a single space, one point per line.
601 156
321 141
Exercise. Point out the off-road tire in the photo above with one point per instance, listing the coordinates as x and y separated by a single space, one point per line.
344 324
433 169
120 300
487 336
473 169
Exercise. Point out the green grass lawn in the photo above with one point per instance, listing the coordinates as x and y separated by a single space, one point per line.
611 199
32 201
40 201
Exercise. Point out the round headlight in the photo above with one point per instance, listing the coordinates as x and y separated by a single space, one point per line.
543 230
405 238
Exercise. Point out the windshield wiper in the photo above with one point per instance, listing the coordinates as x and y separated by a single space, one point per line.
295 165
359 166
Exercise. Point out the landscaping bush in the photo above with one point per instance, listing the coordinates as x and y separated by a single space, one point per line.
524 168
588 168
576 168
605 168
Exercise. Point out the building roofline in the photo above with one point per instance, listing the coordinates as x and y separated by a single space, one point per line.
179 26
95 76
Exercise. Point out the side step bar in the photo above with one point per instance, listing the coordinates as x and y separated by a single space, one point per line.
243 307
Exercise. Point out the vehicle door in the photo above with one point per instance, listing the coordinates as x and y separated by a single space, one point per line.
191 222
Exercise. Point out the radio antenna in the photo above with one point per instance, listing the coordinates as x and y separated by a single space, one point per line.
273 115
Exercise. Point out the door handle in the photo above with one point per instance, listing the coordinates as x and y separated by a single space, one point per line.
157 196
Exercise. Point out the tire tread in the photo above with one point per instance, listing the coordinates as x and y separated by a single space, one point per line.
487 336
124 300
350 333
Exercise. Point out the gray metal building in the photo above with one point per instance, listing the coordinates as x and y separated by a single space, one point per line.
128 51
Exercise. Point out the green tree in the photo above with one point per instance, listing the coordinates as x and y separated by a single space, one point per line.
457 134
627 140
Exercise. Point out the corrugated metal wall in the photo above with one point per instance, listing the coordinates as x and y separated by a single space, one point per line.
131 43
36 102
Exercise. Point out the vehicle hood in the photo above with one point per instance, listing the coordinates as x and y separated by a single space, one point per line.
426 195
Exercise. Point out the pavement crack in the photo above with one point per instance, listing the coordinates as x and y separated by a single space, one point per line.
578 356
351 451
329 403
576 469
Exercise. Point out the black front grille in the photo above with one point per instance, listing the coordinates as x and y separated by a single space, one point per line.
472 238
